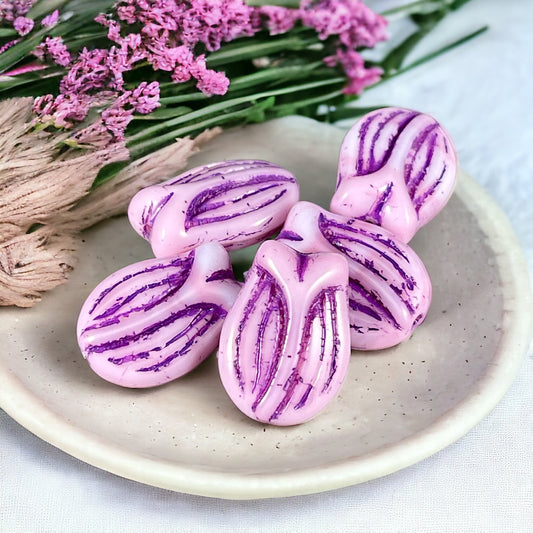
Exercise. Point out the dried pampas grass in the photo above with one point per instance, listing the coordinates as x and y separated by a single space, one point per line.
46 198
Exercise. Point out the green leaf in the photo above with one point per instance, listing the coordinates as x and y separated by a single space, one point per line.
108 172
440 51
8 32
164 113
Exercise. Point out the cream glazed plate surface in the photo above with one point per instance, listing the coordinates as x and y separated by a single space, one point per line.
396 407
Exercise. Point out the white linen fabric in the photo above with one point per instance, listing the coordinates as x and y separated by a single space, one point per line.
482 93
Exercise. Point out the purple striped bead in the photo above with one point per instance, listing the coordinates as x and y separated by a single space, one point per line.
389 289
397 169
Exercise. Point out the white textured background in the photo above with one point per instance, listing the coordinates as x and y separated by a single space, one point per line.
483 94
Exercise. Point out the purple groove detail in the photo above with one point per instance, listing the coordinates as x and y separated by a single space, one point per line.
210 313
150 213
399 292
363 130
289 235
276 301
427 134
173 281
210 171
301 265
422 173
373 165
218 275
378 310
368 165
129 358
210 206
419 201
262 283
144 334
376 215
326 227
179 262
304 398
203 202
322 301
116 318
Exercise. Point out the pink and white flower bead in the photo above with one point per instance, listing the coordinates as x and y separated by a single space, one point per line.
237 203
397 168
389 289
285 344
154 321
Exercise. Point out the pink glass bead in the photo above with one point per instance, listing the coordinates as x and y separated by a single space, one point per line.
154 321
389 289
397 169
236 203
285 344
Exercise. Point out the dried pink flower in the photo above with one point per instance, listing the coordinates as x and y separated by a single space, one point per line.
8 45
23 25
276 19
50 20
145 97
11 9
55 49
352 21
353 65
210 82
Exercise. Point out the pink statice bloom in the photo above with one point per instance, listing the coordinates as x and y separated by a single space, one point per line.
54 48
116 120
31 67
50 20
210 82
23 25
353 22
11 9
213 23
277 19
8 45
353 64
63 110
145 97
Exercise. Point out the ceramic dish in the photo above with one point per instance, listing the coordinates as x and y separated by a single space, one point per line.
396 407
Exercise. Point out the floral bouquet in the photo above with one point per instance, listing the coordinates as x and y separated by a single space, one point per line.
101 99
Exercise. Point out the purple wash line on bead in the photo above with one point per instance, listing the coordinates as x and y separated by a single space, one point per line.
302 261
419 201
199 312
196 206
180 262
363 164
402 119
289 235
326 228
109 317
222 274
272 314
277 305
213 205
322 300
150 213
260 284
378 310
427 136
376 214
207 172
210 315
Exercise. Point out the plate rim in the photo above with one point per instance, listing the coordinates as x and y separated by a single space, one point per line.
25 407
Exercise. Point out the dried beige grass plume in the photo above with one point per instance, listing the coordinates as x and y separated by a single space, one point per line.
45 198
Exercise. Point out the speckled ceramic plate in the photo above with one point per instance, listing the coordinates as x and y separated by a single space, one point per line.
396 407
